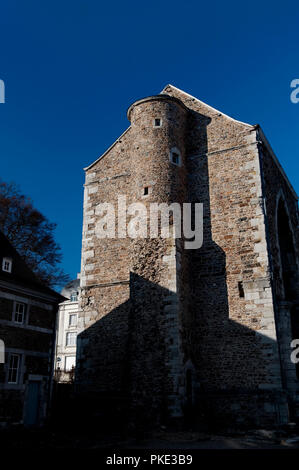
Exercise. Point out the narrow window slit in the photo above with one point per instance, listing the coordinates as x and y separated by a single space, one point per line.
241 289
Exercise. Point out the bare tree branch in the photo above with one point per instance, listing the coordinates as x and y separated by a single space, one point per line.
31 234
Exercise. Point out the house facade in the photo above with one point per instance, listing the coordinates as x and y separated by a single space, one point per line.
206 331
65 361
27 331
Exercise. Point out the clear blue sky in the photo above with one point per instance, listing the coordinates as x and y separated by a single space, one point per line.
71 69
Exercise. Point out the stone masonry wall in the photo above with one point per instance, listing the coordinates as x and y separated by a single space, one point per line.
155 338
105 267
234 344
154 313
277 190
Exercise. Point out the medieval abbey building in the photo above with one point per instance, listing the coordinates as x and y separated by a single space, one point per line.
168 330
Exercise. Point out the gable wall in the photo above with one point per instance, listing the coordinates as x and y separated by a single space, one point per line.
228 333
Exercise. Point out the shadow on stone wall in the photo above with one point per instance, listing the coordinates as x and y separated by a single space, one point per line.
123 380
232 362
121 374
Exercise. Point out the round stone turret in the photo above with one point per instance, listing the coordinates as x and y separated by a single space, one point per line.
158 175
158 150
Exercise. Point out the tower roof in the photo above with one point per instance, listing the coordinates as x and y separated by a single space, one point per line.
159 97
204 104
162 93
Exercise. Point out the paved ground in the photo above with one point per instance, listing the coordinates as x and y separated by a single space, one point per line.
260 439
68 439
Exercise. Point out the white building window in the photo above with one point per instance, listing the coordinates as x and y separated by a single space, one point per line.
13 369
19 312
175 156
71 339
74 297
7 265
70 363
72 320
157 122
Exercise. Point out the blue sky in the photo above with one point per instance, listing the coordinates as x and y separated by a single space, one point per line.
71 69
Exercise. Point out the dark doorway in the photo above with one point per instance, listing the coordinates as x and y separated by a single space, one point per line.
32 404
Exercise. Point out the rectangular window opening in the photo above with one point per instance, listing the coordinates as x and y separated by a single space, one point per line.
19 315
71 339
13 370
6 265
74 297
70 363
175 158
241 290
73 320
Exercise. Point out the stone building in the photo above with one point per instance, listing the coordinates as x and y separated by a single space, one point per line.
203 332
28 312
65 361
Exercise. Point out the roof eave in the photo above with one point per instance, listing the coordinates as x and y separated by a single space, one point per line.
107 151
207 105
